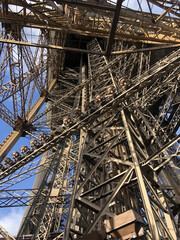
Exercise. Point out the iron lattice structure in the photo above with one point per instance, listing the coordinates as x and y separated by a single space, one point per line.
94 86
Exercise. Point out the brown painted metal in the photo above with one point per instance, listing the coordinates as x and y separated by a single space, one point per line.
119 149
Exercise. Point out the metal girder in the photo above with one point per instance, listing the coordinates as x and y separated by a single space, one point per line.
6 234
43 192
113 27
95 180
145 198
61 179
168 176
16 198
56 200
85 204
112 196
16 73
79 50
39 151
165 147
90 5
79 161
163 205
15 135
6 115
73 197
167 6
169 221
20 58
8 89
35 11
136 25
145 81
48 46
15 88
165 12
168 215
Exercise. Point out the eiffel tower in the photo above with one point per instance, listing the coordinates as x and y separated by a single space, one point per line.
89 98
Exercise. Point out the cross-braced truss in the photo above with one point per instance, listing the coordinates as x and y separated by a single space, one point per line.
100 106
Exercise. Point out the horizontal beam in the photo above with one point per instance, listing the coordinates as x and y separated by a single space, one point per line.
61 48
162 47
50 46
144 31
87 5
93 206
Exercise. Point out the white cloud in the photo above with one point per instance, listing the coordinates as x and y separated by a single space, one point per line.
11 221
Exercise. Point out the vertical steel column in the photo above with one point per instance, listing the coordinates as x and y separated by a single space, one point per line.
78 168
159 196
142 187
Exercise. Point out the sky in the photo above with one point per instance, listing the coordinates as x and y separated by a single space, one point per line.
10 218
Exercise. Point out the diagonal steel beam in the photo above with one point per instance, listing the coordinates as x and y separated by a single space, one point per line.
93 206
142 187
6 115
6 234
15 135
163 148
113 27
96 165
114 193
